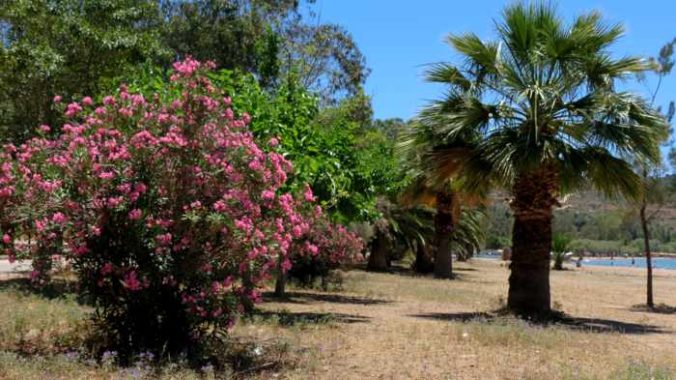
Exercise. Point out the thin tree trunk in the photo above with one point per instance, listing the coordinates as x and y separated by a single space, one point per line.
534 198
280 283
378 257
648 256
443 226
247 302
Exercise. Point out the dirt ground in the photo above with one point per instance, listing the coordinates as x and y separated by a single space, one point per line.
399 326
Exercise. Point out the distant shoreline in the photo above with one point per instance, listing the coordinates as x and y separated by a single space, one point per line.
641 256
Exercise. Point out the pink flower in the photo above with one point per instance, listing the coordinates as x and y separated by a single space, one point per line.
135 214
186 67
80 250
244 224
297 231
107 269
106 175
220 206
163 239
87 101
138 100
40 225
45 128
57 99
140 188
6 239
59 218
308 194
109 100
255 165
131 281
229 114
113 202
268 195
73 109
273 142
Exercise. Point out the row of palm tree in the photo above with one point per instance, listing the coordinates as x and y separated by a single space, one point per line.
410 226
538 112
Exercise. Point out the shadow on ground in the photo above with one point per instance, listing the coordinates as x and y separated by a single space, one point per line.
456 269
306 297
658 309
288 318
595 325
406 271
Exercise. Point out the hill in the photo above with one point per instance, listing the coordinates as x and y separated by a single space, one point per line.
597 223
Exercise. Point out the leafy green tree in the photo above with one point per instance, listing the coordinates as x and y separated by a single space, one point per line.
236 34
447 198
67 48
543 99
82 47
325 58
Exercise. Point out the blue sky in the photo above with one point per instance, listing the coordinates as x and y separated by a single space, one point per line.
399 38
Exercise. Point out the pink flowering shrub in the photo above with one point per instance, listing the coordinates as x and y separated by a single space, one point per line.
325 247
164 206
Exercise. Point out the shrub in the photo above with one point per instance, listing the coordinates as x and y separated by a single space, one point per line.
169 211
560 245
334 246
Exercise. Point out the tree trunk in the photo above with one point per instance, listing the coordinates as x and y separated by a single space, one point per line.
247 302
423 261
534 197
558 260
280 283
443 226
648 257
378 257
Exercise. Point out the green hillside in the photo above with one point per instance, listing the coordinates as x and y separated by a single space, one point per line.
596 223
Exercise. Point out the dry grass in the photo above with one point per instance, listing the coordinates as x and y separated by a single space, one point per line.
392 326
396 326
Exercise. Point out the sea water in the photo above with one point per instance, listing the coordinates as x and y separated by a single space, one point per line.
639 262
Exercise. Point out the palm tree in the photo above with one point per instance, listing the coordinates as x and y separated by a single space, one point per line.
407 224
560 245
444 190
469 234
543 114
451 231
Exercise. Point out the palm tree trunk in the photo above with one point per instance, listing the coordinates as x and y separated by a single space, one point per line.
466 253
648 257
443 226
378 257
534 198
423 262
